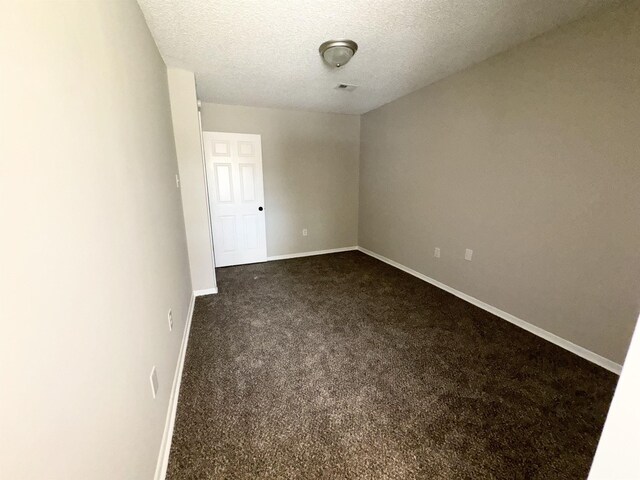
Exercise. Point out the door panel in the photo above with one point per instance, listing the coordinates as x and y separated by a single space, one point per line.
234 170
251 231
228 237
224 184
247 177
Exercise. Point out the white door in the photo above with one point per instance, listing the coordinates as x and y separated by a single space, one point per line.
236 197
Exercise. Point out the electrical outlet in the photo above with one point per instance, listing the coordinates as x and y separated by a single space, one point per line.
468 254
177 181
154 382
304 232
170 318
436 252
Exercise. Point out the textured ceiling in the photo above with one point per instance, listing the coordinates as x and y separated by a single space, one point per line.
265 52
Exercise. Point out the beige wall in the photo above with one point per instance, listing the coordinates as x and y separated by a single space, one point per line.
186 127
531 159
310 163
92 250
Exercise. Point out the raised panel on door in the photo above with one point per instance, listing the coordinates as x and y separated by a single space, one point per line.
236 197
245 149
251 226
221 148
247 182
224 182
229 237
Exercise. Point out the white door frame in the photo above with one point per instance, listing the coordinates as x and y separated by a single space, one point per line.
206 193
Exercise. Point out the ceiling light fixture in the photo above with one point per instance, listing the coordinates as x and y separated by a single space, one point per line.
338 52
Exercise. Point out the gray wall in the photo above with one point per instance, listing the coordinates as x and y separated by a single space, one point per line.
310 163
186 128
530 159
92 250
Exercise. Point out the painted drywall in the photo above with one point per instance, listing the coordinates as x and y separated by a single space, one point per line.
93 250
186 127
530 159
617 453
310 164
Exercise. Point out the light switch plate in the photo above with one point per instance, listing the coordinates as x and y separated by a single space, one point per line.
468 254
154 382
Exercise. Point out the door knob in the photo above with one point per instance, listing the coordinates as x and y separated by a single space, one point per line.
260 208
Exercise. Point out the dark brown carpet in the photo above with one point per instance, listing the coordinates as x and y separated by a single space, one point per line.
340 366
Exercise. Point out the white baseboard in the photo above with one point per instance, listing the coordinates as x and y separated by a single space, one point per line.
561 342
165 446
309 254
206 291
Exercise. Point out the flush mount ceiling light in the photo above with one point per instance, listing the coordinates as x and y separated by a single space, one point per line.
338 52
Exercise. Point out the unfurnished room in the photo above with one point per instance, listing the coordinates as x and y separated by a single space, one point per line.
295 239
